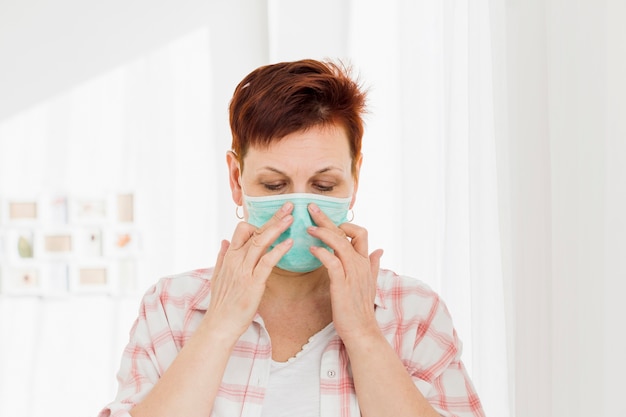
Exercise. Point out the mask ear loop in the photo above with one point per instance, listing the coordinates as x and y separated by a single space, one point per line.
240 216
350 218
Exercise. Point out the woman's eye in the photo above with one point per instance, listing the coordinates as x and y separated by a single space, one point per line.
325 188
274 186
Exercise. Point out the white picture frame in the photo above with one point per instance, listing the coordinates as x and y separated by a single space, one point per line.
91 277
20 211
21 279
20 244
125 207
89 210
88 242
123 242
55 243
54 209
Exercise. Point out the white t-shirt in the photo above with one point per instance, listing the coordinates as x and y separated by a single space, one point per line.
294 386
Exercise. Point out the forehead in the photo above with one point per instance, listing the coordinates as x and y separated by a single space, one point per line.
314 147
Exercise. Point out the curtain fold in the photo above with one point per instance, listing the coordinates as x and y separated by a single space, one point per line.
430 165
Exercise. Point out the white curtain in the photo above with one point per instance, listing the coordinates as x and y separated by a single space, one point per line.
429 186
428 193
142 128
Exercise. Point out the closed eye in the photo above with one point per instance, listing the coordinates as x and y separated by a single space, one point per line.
274 186
324 188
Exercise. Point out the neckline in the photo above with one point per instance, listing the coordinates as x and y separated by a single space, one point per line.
320 335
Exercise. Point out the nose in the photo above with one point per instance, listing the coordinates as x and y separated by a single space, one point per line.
300 187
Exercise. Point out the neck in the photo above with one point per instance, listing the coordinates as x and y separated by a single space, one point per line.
293 286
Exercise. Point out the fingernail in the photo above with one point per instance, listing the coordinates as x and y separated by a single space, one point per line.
286 207
287 218
313 207
312 229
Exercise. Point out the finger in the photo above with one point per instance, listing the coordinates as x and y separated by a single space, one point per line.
243 232
271 258
346 239
358 237
268 232
322 220
220 256
332 263
338 243
260 241
375 263
280 214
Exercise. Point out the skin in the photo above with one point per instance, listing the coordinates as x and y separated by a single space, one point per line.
246 281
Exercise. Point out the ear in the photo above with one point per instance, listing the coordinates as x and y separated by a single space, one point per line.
234 173
357 172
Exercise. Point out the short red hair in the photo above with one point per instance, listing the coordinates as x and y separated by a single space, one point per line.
279 99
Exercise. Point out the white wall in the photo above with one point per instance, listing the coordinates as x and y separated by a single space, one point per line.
578 94
588 149
614 225
47 47
567 191
527 195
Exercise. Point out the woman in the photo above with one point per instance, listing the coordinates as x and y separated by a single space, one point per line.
295 319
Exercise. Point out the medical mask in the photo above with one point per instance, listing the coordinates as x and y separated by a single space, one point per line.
299 257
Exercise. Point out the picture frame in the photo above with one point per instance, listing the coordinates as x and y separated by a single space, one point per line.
125 207
88 242
20 211
20 244
55 243
21 279
55 209
123 242
90 209
91 277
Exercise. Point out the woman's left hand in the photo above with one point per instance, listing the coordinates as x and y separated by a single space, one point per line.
352 272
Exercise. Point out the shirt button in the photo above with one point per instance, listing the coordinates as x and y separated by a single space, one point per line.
331 373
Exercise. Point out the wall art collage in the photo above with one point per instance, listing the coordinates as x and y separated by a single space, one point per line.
61 244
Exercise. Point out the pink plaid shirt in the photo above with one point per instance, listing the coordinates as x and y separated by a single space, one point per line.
412 317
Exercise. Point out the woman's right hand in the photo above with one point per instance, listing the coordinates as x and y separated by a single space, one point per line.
237 286
242 268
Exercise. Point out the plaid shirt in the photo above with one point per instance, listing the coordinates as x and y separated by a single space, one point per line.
411 316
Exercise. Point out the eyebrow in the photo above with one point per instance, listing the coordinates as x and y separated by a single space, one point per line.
320 171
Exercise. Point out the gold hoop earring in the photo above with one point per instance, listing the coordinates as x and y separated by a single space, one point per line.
351 217
239 216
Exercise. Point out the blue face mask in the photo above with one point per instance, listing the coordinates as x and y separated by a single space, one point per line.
299 257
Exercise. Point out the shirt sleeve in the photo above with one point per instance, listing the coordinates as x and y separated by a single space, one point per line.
151 342
438 370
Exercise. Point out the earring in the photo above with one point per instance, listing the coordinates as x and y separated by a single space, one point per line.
239 216
351 217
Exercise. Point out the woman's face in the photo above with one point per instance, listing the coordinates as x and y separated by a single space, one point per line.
314 161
